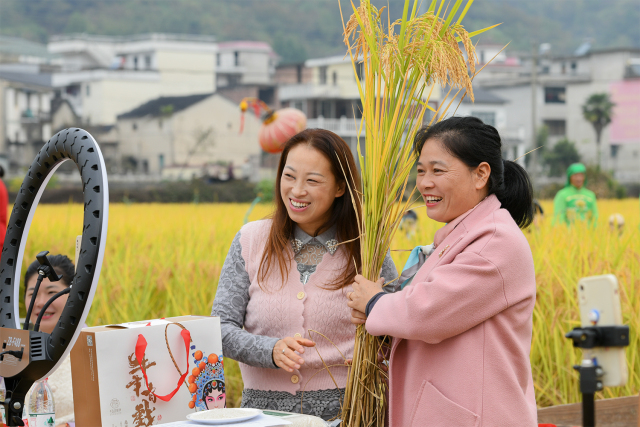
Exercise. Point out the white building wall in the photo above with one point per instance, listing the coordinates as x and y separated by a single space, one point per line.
518 112
45 102
16 103
176 66
145 139
186 73
345 79
256 67
581 131
112 96
227 144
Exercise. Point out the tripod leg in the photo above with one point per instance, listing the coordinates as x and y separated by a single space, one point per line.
588 410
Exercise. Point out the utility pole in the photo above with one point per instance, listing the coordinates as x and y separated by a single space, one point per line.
533 172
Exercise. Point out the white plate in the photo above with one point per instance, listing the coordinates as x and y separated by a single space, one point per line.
244 414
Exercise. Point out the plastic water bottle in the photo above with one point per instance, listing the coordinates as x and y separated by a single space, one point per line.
41 407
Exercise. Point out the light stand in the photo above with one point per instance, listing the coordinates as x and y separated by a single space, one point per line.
590 372
32 355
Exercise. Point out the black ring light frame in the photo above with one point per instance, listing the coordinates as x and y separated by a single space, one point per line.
43 352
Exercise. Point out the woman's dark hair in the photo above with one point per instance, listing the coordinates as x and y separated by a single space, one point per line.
1 172
60 263
344 214
213 385
474 142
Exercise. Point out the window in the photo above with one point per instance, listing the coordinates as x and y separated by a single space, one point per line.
341 108
161 161
324 109
574 66
218 59
135 62
147 62
87 90
299 73
614 150
487 117
335 78
360 70
323 75
556 127
358 109
482 57
236 59
554 95
134 126
267 95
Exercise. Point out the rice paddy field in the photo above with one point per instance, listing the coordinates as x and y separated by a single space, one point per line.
164 260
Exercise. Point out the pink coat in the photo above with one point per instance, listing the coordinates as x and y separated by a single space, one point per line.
462 329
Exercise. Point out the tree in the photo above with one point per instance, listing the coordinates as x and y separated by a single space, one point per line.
597 110
559 158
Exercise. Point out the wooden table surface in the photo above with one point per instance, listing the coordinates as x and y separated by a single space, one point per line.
620 412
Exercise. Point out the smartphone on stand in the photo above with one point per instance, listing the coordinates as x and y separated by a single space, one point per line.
599 300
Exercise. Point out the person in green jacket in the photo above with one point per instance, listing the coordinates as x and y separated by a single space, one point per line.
574 202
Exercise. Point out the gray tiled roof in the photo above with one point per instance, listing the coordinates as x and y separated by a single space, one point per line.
18 46
40 79
154 107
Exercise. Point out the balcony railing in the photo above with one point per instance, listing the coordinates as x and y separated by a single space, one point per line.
28 116
343 126
308 91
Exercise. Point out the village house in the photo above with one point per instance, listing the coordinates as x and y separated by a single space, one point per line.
185 137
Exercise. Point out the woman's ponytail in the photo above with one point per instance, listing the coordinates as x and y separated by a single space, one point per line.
516 194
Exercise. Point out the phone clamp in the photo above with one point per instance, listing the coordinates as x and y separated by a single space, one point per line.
590 372
600 336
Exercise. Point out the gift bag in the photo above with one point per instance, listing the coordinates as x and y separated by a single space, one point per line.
147 373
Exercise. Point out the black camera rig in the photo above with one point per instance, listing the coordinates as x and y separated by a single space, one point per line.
27 356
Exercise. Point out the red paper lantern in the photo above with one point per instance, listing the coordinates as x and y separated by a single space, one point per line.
279 127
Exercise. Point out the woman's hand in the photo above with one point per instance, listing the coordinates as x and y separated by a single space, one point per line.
284 352
363 291
358 317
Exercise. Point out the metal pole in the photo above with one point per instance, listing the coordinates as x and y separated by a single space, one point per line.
588 410
534 106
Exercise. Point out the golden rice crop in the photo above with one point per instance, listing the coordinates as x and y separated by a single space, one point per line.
164 260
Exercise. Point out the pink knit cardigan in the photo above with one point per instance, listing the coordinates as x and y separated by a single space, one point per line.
462 329
293 308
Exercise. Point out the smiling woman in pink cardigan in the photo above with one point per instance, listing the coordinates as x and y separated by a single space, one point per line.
288 276
462 327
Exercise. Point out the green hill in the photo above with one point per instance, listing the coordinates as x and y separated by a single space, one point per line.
299 29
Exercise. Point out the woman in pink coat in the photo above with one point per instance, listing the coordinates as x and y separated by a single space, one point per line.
462 327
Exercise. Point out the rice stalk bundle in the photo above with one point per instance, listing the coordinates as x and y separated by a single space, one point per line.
401 62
